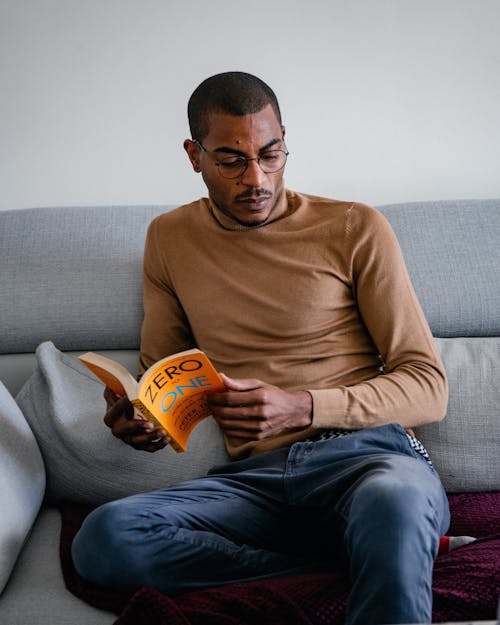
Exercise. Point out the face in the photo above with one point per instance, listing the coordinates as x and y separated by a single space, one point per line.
250 198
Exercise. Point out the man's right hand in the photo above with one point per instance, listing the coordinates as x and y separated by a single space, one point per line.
130 426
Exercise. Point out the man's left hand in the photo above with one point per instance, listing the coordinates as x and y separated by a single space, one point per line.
252 409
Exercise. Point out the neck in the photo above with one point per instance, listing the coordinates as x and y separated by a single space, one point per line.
229 222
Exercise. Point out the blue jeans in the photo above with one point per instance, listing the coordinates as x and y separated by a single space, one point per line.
366 501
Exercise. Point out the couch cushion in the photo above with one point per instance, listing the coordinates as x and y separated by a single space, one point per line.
72 263
452 252
464 447
22 482
63 403
36 593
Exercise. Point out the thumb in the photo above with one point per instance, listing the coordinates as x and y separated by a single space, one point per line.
240 384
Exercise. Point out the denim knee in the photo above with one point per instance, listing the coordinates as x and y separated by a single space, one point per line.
400 493
98 550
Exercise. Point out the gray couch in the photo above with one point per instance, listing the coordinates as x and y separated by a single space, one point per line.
71 281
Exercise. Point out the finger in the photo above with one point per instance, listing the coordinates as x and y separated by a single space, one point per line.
126 429
152 441
236 399
110 396
123 407
248 424
231 417
140 433
241 384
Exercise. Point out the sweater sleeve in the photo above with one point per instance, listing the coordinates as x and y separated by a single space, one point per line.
165 328
411 388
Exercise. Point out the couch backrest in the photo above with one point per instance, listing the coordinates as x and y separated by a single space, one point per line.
452 250
73 275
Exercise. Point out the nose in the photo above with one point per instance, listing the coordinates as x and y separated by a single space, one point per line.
253 175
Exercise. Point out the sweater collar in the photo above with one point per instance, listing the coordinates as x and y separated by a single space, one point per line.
281 209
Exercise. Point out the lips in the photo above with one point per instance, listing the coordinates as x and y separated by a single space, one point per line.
255 203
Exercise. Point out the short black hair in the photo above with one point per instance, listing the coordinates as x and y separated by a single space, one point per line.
234 93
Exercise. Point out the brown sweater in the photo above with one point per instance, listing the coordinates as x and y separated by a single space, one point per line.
318 299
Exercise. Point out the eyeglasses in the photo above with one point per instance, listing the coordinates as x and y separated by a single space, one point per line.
235 166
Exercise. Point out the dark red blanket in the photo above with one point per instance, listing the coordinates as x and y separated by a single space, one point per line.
466 583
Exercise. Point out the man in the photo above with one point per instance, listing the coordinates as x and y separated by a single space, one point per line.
306 307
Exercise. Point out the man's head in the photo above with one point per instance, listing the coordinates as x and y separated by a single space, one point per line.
237 144
233 93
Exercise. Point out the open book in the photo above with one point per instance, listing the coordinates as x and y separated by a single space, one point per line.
172 392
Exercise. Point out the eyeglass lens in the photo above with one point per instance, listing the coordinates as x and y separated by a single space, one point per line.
234 166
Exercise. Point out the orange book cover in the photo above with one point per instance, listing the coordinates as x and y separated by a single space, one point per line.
172 392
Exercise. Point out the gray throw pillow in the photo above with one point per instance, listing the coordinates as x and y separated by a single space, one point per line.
63 403
22 482
465 446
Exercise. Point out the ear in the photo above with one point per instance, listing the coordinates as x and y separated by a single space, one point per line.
283 131
193 152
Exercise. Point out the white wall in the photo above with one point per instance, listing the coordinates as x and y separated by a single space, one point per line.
384 100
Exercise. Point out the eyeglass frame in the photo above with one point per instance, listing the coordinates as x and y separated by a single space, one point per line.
245 158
